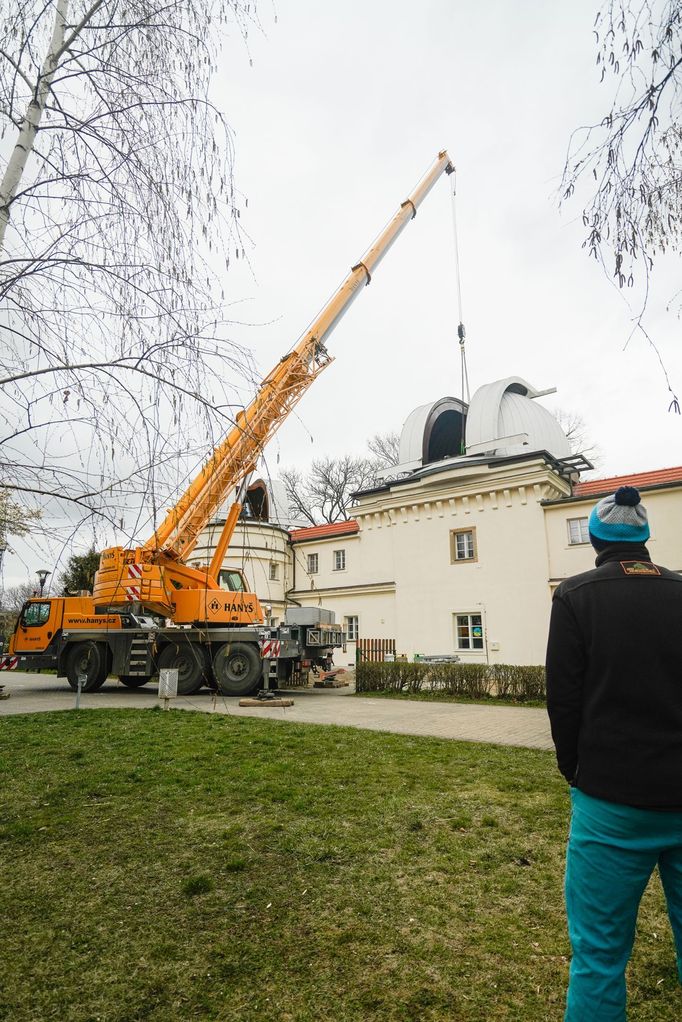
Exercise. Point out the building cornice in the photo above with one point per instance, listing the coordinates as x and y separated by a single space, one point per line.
467 468
354 590
246 524
494 486
591 498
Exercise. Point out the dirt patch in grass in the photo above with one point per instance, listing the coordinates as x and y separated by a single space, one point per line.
173 866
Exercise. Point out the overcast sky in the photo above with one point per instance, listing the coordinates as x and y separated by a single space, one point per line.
341 111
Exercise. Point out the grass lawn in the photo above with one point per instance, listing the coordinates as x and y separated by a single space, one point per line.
178 866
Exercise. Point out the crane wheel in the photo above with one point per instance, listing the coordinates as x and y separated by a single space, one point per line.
90 659
134 680
237 667
189 661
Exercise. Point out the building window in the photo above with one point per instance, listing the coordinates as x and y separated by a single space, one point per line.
578 531
312 564
463 545
274 571
339 560
351 628
469 631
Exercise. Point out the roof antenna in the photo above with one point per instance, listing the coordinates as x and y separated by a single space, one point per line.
461 331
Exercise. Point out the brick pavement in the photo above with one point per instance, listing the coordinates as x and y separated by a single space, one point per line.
504 725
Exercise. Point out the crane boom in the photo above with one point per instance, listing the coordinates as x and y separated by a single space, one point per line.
156 576
279 392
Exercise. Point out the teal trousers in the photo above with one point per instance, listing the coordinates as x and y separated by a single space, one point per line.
612 851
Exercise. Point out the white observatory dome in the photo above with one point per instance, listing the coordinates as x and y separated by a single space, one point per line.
266 501
503 421
432 432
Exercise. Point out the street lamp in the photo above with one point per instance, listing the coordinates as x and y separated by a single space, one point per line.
42 577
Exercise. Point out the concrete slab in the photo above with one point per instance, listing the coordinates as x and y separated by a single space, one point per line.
502 725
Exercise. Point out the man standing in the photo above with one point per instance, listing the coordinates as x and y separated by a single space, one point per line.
614 697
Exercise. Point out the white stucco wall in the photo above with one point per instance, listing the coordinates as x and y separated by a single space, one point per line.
664 508
507 583
365 589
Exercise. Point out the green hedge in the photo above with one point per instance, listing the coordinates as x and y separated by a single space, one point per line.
473 681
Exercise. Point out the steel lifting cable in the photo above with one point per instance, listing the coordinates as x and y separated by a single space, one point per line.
461 332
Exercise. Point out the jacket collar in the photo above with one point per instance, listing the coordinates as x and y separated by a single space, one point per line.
623 552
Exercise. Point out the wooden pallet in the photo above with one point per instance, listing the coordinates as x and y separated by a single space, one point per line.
332 679
265 703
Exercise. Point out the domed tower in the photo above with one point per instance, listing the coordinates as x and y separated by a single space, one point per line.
502 420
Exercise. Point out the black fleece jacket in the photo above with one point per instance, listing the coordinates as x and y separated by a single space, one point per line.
614 679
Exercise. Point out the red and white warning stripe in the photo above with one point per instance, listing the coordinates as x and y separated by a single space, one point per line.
8 663
270 648
131 584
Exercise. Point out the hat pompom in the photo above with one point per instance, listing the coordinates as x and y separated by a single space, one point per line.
627 496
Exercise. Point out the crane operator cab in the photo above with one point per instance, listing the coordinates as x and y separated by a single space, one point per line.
232 580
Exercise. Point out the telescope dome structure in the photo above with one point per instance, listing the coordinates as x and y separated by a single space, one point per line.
502 420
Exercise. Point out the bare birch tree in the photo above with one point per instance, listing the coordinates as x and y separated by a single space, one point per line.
119 220
633 156
627 169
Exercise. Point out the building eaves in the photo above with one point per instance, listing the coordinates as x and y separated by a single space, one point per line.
329 531
435 468
359 587
590 498
219 521
639 479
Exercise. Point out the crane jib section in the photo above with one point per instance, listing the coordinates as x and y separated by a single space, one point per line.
236 456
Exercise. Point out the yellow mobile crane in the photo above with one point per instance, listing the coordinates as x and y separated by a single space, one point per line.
116 628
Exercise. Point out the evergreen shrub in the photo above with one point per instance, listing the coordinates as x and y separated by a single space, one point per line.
517 683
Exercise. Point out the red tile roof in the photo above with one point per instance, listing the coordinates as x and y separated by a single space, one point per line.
325 531
641 480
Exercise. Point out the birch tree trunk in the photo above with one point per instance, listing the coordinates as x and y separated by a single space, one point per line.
29 125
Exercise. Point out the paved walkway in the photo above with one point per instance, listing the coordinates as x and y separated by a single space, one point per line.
504 725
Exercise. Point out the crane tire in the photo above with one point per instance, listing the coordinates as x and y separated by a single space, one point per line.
134 680
238 668
190 662
92 659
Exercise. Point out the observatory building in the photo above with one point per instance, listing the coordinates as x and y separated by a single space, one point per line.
457 548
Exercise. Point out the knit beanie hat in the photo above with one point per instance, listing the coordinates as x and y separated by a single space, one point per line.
620 518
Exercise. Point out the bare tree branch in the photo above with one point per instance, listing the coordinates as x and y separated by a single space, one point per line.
325 492
628 168
385 448
119 219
